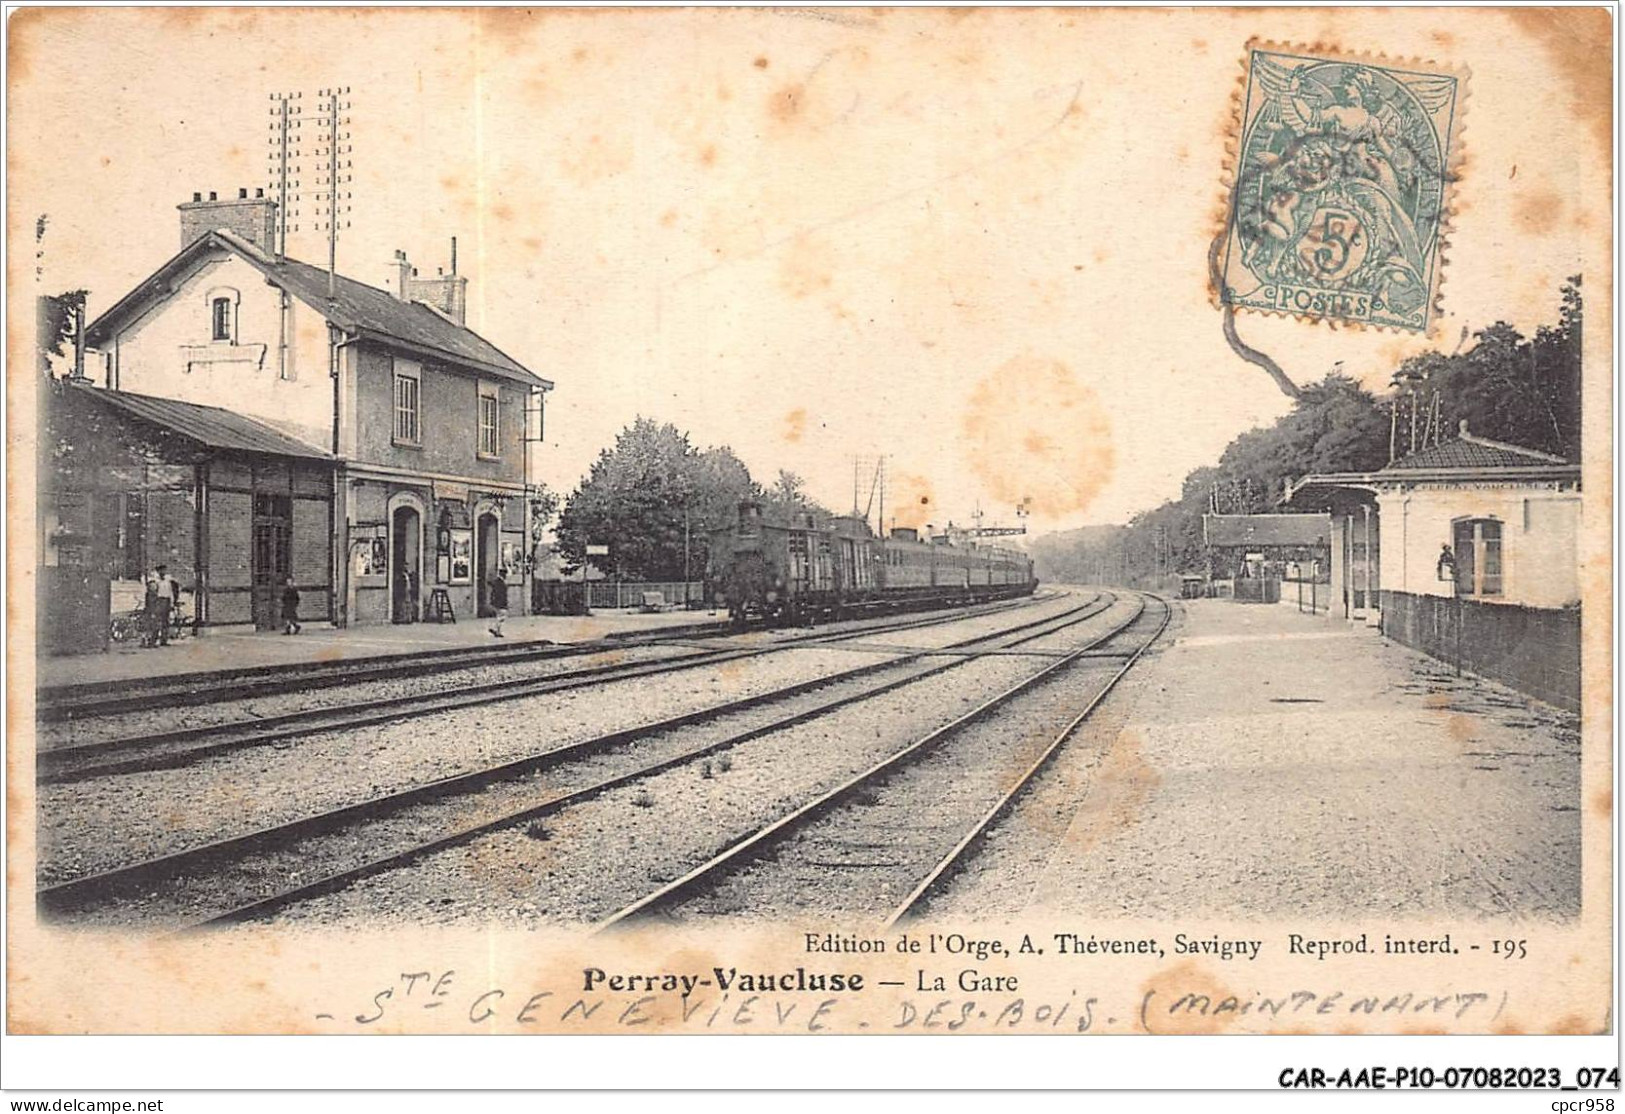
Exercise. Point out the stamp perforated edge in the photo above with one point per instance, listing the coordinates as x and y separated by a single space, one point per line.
1455 160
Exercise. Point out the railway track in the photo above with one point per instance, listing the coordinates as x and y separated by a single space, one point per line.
246 877
111 698
92 700
892 835
170 748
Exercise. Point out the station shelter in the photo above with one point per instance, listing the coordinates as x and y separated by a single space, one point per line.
1470 553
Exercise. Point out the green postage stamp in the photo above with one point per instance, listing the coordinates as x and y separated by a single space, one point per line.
1341 192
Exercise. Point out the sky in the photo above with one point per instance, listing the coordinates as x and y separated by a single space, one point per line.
975 243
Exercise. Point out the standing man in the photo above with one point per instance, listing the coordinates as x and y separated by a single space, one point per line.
290 608
498 585
165 604
149 612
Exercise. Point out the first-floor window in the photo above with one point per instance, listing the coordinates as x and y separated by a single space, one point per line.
1478 557
489 414
408 429
222 319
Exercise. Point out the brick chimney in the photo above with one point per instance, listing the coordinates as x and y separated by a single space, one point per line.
446 293
250 218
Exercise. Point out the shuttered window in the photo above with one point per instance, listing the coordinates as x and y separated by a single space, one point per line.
408 428
489 415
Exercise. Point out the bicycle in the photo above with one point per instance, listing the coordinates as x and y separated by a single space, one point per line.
131 626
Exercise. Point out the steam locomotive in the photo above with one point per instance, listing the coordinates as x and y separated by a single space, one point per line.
805 570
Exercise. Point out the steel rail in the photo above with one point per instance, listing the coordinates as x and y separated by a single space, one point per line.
69 895
748 847
77 761
97 699
951 861
339 880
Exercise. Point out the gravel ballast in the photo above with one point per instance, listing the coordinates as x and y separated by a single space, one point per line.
140 815
589 860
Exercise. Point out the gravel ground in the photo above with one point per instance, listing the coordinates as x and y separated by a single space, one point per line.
99 728
1273 765
265 872
867 855
591 859
49 736
140 815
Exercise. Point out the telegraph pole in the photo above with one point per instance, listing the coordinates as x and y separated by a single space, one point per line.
334 201
331 196
286 109
880 519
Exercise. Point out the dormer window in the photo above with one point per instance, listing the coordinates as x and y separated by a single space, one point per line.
222 319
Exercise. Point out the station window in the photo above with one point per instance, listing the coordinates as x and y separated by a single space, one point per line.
1478 556
408 387
490 413
221 312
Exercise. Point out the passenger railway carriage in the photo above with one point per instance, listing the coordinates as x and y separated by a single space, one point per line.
803 570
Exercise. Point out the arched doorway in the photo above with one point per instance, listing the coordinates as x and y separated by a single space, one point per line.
405 571
487 554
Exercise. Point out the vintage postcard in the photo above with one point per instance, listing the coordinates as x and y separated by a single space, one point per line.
821 521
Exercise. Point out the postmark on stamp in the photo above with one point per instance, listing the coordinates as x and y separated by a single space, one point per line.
1340 199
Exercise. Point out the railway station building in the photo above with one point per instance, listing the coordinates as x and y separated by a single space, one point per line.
421 424
1466 550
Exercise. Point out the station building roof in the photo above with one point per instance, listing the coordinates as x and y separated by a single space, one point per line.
1253 531
1469 451
354 307
1466 459
209 426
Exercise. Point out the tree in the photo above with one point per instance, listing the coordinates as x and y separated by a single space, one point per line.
652 499
1335 425
788 496
54 325
1506 387
717 481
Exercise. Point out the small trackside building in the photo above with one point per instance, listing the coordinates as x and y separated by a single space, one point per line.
231 507
1478 557
425 422
1265 558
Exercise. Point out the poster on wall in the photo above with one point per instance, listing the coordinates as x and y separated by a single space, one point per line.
462 556
371 554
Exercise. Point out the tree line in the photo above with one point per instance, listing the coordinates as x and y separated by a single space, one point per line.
1506 386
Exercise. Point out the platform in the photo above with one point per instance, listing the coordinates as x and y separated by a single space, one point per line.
1270 764
215 650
